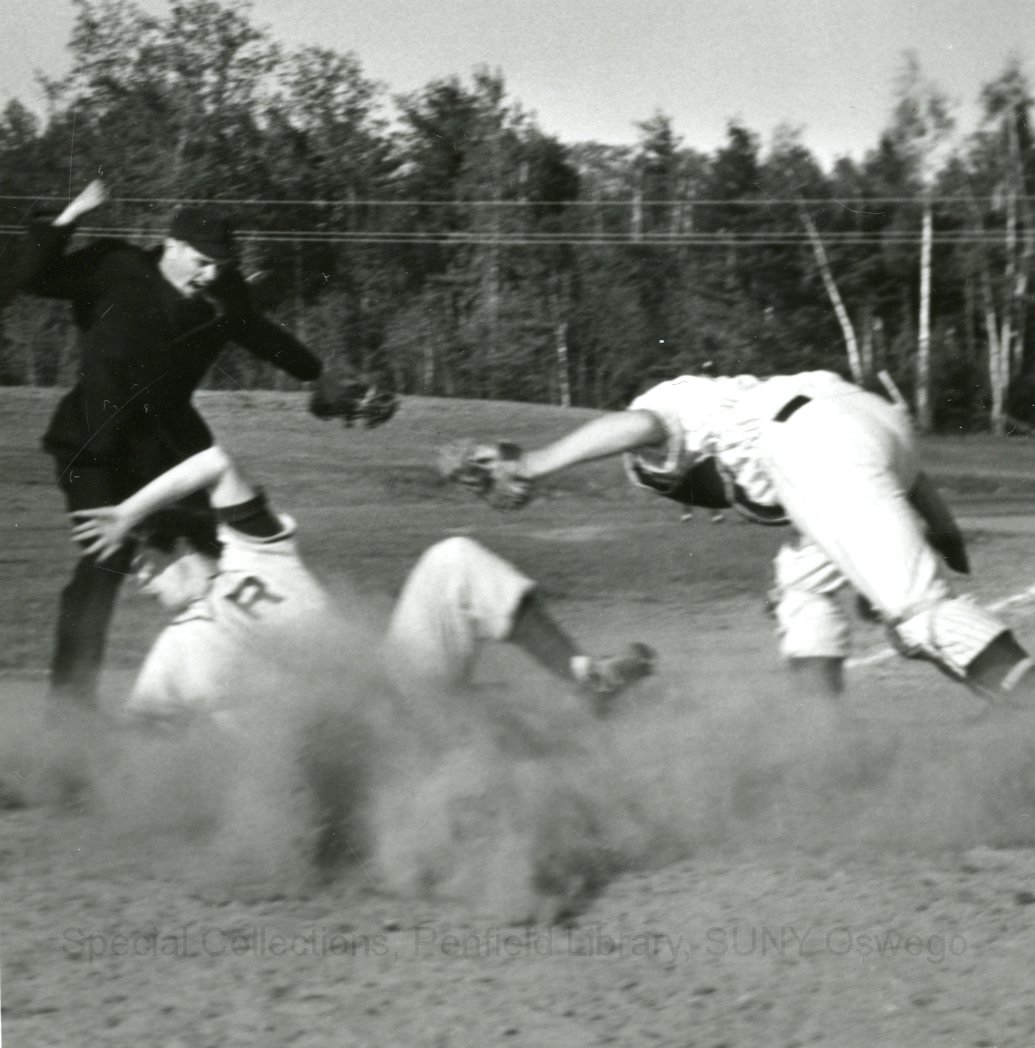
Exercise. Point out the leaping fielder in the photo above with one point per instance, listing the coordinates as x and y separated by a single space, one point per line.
836 462
256 597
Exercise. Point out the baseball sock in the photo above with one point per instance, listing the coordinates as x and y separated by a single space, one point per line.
1004 669
537 633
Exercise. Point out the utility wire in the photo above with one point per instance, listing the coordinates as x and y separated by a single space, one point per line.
850 204
518 239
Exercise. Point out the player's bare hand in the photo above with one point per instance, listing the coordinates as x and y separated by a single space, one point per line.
101 532
95 194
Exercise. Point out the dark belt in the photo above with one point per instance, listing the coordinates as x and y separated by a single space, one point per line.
790 407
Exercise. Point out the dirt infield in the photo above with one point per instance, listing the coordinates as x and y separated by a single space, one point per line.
720 863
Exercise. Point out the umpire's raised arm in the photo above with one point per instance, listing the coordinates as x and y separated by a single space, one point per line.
45 269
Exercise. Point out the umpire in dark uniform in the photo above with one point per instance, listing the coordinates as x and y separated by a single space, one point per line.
151 323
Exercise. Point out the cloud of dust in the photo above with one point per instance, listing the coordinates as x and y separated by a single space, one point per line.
764 767
238 807
733 768
514 800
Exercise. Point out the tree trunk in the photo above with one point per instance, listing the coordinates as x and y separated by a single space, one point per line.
1018 264
998 355
637 214
428 358
563 380
298 306
924 411
847 330
1019 257
997 372
970 320
866 349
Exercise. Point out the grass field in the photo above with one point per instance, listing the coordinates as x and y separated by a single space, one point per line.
765 871
369 501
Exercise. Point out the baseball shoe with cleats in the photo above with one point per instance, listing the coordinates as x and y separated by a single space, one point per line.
604 677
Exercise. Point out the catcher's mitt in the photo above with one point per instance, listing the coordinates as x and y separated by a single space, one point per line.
352 400
494 472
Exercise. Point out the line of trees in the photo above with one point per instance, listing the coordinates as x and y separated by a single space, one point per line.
442 238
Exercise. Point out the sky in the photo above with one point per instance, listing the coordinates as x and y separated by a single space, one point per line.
593 69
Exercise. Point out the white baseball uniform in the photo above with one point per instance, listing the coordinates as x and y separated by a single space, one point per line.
840 463
264 601
262 596
458 596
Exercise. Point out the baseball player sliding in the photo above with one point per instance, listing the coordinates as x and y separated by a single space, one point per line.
836 462
253 595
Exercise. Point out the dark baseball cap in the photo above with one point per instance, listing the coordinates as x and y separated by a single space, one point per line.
162 528
206 230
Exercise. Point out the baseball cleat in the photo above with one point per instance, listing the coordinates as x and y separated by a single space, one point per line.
603 677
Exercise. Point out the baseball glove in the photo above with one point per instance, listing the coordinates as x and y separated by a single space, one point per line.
494 472
352 400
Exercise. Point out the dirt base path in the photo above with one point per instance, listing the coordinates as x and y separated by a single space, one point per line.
801 880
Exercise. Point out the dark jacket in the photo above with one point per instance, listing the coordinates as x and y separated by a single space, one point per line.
144 350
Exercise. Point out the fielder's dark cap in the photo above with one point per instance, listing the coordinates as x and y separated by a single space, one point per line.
206 230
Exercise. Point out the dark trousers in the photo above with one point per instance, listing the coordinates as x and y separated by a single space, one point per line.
88 601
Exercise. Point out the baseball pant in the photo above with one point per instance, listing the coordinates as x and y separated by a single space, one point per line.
458 595
811 619
842 466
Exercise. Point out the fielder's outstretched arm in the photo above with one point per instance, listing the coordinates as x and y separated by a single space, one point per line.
106 527
600 438
504 474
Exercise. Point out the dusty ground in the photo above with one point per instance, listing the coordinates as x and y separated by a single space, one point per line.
737 865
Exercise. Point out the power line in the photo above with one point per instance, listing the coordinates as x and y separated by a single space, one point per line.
461 239
850 204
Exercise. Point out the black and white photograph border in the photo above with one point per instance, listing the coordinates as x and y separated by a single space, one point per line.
335 705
